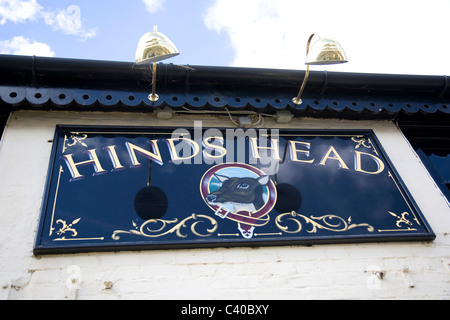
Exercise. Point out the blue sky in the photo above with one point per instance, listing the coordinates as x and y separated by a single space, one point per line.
110 29
383 36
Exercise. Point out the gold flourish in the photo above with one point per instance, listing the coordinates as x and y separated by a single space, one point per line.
401 219
361 142
73 140
158 228
327 222
67 227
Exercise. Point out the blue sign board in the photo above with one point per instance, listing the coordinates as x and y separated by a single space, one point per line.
134 188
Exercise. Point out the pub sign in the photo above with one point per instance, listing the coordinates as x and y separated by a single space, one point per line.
134 188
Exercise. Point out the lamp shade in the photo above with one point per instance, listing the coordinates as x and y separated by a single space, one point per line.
154 46
325 51
322 51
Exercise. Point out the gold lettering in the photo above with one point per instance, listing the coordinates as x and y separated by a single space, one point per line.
209 146
336 157
173 151
68 158
255 148
377 160
132 149
114 158
294 151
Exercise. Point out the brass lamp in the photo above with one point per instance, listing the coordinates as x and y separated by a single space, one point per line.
322 52
152 47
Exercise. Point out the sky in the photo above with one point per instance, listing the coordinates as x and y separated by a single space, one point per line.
382 36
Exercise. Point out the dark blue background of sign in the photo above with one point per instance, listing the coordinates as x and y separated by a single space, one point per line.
105 202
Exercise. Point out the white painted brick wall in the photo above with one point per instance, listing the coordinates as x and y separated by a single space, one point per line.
345 271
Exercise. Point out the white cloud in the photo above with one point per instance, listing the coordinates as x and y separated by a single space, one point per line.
69 22
23 46
153 6
383 36
18 10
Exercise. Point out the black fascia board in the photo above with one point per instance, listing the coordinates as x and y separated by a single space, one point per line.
74 84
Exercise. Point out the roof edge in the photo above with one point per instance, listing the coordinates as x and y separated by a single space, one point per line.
44 71
30 82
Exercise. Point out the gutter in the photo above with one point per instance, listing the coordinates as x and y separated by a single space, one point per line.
60 83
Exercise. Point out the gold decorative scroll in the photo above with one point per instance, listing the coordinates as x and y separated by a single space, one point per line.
73 140
67 227
327 222
158 228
